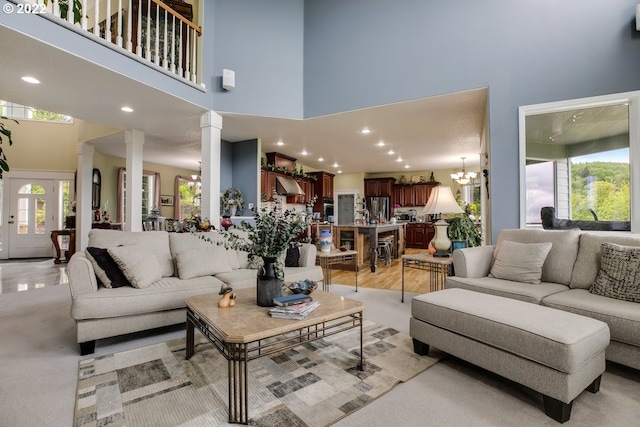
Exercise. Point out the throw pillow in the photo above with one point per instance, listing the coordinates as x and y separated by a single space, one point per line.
106 268
619 274
520 262
200 262
139 266
293 257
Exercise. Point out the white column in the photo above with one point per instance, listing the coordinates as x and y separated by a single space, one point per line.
211 124
134 140
84 181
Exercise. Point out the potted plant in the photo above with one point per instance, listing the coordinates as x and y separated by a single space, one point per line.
267 241
232 201
461 227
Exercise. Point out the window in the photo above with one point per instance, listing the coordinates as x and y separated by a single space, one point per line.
188 193
150 194
17 111
576 157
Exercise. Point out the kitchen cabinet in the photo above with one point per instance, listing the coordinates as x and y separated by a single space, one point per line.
412 194
268 184
419 234
374 187
352 239
323 187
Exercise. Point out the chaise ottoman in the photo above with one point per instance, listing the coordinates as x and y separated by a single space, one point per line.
556 353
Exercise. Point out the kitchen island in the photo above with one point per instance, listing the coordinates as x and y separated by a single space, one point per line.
364 239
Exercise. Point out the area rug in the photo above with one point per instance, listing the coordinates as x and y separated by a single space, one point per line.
315 384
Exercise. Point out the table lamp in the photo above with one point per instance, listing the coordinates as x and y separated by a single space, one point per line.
441 201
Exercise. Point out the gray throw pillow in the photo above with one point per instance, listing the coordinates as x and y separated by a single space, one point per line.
138 265
619 274
520 262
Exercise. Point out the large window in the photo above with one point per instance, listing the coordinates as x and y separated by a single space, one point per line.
188 192
17 111
576 157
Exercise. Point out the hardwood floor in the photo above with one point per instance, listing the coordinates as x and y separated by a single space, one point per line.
386 278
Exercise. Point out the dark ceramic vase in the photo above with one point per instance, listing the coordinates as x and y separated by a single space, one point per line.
268 286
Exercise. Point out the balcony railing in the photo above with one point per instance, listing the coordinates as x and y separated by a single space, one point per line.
149 30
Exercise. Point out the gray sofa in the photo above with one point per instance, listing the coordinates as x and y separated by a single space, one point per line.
568 272
170 267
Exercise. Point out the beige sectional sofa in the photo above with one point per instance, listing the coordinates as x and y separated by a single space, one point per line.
568 272
169 267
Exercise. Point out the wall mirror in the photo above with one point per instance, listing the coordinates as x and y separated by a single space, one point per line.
96 186
576 157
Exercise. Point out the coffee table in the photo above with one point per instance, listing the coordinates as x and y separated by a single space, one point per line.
246 332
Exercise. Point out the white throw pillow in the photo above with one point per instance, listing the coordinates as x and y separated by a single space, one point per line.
138 265
200 262
520 262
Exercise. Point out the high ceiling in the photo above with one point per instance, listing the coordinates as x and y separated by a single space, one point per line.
427 134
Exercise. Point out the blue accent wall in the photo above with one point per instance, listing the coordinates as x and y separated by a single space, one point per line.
262 41
361 53
246 170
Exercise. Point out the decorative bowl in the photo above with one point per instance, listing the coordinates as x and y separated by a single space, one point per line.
303 287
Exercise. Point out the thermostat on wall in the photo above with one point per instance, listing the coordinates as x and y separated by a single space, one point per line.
228 79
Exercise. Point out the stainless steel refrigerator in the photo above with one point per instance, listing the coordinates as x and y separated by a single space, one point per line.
379 207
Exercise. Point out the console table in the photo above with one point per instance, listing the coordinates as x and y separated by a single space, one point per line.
71 232
438 267
327 259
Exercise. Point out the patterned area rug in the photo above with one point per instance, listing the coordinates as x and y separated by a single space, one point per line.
314 384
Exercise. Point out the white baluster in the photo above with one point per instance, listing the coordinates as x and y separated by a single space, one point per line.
180 47
56 7
96 18
129 32
107 30
139 29
83 15
194 77
70 12
187 73
164 50
173 44
119 24
147 53
157 36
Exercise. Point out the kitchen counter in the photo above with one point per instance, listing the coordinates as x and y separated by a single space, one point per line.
373 230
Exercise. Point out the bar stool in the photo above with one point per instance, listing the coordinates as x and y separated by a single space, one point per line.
385 250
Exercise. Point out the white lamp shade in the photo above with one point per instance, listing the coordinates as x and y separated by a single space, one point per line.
441 201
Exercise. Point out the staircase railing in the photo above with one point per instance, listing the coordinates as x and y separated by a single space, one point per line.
148 29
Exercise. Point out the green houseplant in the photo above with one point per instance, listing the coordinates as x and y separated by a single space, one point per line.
232 201
461 227
266 242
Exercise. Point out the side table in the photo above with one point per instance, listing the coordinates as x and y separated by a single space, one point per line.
71 232
327 259
439 268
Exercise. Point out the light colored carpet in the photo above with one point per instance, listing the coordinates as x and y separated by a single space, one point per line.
39 364
313 384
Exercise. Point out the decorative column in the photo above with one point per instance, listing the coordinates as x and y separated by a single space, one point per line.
134 140
211 124
84 180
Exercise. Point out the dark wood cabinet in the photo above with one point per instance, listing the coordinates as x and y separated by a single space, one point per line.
412 194
379 187
419 234
323 188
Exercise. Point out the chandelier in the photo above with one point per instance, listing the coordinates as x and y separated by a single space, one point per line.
463 177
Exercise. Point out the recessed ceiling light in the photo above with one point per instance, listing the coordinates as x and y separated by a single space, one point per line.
381 144
304 152
407 166
31 80
280 142
365 131
127 109
399 159
391 152
335 165
321 159
339 171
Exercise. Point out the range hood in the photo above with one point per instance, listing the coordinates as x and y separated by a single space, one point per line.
288 187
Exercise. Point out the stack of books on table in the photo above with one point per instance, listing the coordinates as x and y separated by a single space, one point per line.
293 308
